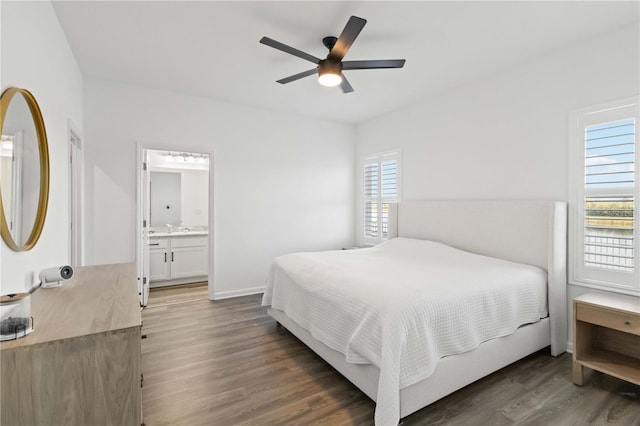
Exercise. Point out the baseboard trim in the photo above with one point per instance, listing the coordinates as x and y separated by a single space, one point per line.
237 293
570 347
190 280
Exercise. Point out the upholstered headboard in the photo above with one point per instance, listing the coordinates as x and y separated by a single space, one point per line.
531 232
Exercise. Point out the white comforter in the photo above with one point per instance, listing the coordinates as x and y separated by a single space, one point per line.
403 305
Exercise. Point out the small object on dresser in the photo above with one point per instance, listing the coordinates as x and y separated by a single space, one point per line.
53 277
15 316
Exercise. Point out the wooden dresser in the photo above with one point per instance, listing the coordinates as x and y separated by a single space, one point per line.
82 363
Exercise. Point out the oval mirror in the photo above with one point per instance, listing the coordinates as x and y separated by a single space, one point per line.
24 169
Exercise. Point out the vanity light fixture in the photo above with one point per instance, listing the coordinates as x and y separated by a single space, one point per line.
185 157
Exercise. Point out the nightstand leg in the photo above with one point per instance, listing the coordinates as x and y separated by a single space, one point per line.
578 373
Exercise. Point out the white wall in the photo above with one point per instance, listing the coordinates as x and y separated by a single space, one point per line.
506 136
195 189
37 57
280 182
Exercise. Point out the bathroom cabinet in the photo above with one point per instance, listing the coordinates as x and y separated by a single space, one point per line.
179 259
82 363
159 262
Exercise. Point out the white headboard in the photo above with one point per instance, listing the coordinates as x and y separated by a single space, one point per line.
531 232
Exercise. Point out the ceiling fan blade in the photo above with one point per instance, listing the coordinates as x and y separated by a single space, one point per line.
288 49
374 64
297 76
346 39
345 86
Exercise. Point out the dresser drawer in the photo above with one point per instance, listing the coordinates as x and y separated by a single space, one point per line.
617 320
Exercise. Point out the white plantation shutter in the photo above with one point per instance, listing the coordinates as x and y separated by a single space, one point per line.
371 178
609 195
389 188
608 233
389 178
381 188
605 229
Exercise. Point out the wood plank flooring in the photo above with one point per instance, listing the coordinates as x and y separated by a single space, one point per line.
177 294
225 363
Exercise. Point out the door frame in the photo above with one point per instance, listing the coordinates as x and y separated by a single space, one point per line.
76 188
142 269
141 154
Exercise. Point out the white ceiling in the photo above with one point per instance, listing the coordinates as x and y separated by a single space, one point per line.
211 48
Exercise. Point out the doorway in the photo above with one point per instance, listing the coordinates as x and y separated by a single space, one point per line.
174 237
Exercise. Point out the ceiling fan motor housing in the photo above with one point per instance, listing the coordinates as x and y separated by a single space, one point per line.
329 66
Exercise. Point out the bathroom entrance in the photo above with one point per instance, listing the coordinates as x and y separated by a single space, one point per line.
174 213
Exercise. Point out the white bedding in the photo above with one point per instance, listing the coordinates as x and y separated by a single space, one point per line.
403 305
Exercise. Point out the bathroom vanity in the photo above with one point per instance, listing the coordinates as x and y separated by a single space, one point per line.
178 257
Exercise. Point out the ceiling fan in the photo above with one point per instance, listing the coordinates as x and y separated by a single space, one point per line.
330 69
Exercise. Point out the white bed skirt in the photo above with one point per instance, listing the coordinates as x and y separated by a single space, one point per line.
452 373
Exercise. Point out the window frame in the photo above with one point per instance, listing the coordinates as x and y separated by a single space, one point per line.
378 158
579 274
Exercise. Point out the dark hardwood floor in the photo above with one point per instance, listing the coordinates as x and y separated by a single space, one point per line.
226 363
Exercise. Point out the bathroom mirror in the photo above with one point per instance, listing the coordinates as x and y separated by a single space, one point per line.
166 199
24 169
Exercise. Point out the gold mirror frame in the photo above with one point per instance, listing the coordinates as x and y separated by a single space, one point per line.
43 148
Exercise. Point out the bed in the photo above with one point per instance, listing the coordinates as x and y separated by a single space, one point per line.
364 311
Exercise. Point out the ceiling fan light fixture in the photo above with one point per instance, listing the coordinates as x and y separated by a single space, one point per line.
329 73
329 79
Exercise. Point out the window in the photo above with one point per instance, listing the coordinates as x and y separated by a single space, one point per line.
604 198
381 187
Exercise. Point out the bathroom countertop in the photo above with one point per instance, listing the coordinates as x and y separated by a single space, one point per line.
177 234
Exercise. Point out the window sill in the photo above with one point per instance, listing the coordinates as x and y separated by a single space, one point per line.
621 290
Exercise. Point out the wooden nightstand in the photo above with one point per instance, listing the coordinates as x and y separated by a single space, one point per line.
606 336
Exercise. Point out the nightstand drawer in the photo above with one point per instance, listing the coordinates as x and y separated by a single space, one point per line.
621 321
